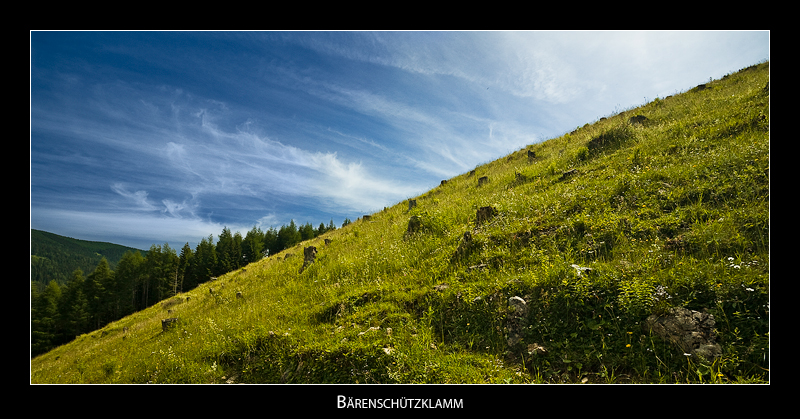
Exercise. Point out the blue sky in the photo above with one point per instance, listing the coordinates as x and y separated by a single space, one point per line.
142 138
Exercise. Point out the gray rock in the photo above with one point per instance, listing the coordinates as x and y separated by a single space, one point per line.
516 320
690 331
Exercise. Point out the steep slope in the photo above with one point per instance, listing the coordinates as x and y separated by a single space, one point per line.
562 262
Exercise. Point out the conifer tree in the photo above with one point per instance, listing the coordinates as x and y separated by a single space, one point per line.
96 293
168 273
320 230
44 317
236 251
186 279
225 262
161 265
151 270
306 232
74 308
204 263
253 245
288 236
128 274
271 242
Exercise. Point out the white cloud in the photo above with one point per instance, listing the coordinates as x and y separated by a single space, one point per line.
444 103
173 208
138 198
352 186
134 229
362 140
525 64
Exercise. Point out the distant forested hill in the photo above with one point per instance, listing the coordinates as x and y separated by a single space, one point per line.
632 250
56 257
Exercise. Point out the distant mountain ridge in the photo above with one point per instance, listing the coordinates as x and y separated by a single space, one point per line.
55 257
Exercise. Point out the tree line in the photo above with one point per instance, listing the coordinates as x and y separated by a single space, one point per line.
85 303
55 257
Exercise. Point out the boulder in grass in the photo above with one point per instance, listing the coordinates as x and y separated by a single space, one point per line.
690 331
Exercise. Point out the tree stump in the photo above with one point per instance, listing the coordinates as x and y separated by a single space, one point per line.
520 178
568 174
464 247
637 119
309 255
166 324
414 224
484 214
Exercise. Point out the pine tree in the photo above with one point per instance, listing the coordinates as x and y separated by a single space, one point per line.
253 245
160 267
236 252
320 230
44 317
163 268
151 270
204 263
96 293
306 232
128 275
74 308
186 279
224 252
288 236
271 242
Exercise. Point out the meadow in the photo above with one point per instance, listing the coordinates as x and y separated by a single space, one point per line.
658 207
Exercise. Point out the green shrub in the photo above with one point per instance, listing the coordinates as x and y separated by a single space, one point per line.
583 154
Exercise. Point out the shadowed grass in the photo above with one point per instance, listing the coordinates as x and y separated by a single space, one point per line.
607 225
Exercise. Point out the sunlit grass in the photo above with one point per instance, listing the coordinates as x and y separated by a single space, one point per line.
673 212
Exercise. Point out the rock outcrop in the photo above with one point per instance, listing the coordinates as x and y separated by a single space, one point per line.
691 331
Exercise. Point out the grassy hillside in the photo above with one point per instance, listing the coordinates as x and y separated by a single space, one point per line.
660 207
55 257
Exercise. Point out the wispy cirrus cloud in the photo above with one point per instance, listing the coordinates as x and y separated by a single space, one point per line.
136 229
202 130
136 200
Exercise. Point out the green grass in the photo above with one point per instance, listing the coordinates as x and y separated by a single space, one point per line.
671 212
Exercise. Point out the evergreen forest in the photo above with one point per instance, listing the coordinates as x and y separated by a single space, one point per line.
634 249
68 300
